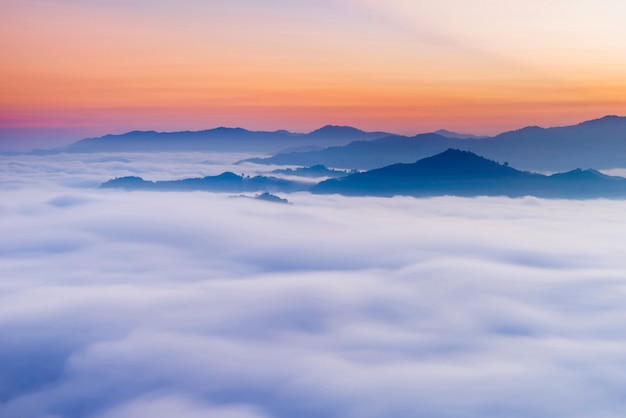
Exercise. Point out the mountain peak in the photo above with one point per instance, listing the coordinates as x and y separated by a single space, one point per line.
455 135
335 129
454 154
457 156
605 120
226 129
452 163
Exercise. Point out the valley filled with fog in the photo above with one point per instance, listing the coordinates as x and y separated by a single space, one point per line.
158 304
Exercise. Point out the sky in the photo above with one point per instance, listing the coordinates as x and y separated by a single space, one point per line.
121 304
76 68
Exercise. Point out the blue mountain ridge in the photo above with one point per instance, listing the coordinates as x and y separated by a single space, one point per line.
599 143
220 139
452 172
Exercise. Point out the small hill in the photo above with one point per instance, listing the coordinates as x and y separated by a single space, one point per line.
268 197
225 182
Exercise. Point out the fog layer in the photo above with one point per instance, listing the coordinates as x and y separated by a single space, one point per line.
155 304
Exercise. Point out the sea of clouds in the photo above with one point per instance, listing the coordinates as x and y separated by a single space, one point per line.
119 304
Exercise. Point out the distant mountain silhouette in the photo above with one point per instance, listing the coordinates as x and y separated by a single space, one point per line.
268 197
314 171
453 172
599 143
368 154
225 182
450 134
347 132
217 140
462 173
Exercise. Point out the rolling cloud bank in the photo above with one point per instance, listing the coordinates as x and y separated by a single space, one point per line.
119 304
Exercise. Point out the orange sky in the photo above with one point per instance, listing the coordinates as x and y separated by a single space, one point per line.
74 68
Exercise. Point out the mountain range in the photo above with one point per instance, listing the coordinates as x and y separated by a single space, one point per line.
452 172
599 143
462 173
219 140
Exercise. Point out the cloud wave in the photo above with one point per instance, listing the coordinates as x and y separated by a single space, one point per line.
116 304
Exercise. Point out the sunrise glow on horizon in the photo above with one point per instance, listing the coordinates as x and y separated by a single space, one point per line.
91 67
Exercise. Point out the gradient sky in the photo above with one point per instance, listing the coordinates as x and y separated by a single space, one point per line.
74 68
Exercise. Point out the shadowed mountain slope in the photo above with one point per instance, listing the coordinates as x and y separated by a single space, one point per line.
599 143
450 134
462 173
366 155
453 172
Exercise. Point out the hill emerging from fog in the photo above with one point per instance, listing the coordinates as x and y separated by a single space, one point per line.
312 172
462 173
453 172
225 182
